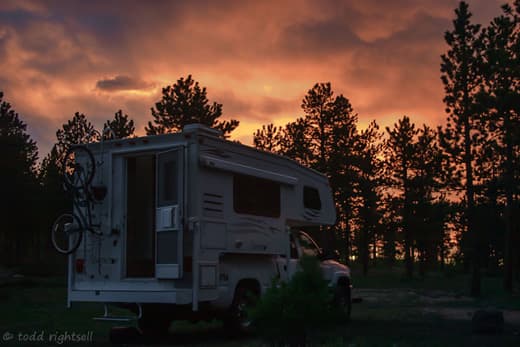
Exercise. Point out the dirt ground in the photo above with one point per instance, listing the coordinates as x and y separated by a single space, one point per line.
385 317
389 317
450 306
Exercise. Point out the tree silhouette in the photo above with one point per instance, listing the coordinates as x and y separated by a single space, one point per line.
461 77
77 130
429 212
268 138
400 159
323 139
185 103
19 151
18 185
330 136
54 199
49 171
121 125
294 141
416 174
500 96
330 119
390 225
369 181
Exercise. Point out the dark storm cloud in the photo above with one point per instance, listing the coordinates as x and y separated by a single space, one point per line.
318 38
17 17
121 82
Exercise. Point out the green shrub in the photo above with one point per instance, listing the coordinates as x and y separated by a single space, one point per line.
291 313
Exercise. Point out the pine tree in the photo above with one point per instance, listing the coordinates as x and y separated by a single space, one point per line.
77 130
183 103
323 139
19 151
331 136
268 138
429 214
369 176
294 141
121 126
400 159
461 77
18 185
500 95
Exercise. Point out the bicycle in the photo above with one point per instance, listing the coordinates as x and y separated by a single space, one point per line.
68 229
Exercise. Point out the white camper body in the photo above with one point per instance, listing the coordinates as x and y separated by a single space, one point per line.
189 217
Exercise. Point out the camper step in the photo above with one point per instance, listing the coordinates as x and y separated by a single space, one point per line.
115 319
108 318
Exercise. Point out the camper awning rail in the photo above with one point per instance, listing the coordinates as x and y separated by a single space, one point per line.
225 165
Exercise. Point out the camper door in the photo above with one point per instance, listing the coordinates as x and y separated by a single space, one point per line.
169 212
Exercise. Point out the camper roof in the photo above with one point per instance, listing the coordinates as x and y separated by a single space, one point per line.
188 130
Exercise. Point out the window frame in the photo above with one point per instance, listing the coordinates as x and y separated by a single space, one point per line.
309 198
247 186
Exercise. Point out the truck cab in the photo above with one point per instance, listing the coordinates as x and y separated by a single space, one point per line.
337 274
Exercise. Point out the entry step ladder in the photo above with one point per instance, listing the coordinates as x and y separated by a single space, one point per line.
108 318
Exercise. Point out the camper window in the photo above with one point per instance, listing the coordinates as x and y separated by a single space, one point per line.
311 198
308 246
168 180
256 196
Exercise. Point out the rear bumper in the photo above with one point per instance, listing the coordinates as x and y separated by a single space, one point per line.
179 297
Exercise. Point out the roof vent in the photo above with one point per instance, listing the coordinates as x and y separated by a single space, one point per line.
201 129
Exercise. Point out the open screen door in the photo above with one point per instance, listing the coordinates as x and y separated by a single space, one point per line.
169 212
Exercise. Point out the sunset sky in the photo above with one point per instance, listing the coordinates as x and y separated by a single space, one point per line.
257 58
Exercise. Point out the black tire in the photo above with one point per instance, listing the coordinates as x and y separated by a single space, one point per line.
239 320
78 176
154 325
66 233
343 300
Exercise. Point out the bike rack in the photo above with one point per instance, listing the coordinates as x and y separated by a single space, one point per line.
107 317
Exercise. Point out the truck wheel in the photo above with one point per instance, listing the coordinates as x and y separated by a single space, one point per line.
154 326
239 319
343 300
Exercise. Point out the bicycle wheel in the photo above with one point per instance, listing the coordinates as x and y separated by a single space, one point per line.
66 233
79 167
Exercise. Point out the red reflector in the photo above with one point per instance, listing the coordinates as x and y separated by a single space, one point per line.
80 265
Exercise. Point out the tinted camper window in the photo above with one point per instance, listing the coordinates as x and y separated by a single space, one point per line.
311 198
256 196
168 180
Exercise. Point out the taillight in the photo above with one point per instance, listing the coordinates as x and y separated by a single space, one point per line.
80 265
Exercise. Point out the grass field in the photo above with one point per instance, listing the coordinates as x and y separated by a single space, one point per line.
434 311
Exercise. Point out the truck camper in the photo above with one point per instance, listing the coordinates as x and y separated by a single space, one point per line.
189 226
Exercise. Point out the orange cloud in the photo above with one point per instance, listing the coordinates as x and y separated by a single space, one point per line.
256 58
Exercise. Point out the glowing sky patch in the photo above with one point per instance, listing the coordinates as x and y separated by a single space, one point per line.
256 58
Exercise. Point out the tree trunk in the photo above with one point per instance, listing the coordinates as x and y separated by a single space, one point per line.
473 232
374 250
408 241
509 177
364 249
